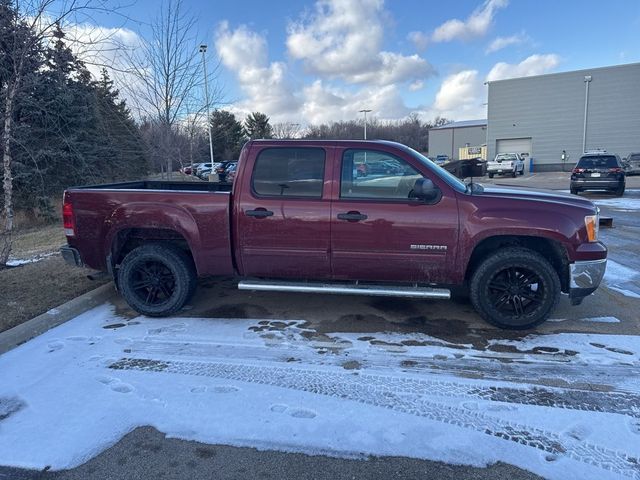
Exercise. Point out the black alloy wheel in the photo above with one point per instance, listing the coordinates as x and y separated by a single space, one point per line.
515 288
157 279
153 282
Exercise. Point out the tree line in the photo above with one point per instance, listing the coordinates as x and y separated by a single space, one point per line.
63 127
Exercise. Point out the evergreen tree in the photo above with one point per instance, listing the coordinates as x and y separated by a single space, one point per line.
256 125
227 135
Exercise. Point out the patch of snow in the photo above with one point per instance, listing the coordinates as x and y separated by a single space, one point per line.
592 319
16 262
622 279
83 385
620 203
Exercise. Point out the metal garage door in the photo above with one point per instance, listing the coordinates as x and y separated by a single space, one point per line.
514 145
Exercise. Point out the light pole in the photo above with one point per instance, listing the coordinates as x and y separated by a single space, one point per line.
203 50
587 81
365 121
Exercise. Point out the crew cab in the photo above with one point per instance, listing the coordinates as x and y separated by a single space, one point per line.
300 218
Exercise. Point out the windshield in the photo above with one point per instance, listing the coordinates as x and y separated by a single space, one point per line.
451 180
597 161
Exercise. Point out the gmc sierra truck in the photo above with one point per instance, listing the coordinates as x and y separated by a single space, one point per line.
300 217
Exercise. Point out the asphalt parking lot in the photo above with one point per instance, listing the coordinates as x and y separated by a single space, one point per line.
414 386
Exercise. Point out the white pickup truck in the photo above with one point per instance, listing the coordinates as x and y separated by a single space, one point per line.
506 164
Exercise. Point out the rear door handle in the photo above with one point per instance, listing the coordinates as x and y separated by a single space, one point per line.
352 216
258 213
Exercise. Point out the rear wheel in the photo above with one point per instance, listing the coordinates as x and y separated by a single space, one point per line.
491 175
574 190
515 288
513 174
157 280
619 191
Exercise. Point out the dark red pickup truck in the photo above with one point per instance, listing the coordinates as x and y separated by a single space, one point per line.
301 217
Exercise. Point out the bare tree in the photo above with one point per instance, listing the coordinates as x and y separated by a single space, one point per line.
169 71
30 25
285 130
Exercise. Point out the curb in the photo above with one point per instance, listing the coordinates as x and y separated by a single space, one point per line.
24 332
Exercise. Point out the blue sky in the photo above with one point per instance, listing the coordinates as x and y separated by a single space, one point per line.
316 61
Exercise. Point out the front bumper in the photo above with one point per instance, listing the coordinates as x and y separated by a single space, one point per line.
585 277
71 256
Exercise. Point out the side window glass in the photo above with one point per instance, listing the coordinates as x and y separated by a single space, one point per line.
289 172
373 174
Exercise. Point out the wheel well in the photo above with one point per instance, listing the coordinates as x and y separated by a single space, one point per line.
130 238
553 251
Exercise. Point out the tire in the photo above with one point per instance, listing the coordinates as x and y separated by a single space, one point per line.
618 192
574 190
498 293
513 174
157 280
491 175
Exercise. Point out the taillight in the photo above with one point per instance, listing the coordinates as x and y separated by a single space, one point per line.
68 219
578 170
615 170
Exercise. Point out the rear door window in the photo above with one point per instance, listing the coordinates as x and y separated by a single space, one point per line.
597 162
289 172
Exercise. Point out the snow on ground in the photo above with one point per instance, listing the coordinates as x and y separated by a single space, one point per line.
16 262
563 406
624 204
622 279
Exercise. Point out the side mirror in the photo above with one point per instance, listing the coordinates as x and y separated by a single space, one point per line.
424 189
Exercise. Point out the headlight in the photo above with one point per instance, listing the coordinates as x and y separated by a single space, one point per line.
592 222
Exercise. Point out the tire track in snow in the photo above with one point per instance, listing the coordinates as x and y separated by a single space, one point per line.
405 395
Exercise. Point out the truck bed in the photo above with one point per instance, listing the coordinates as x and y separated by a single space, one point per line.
198 212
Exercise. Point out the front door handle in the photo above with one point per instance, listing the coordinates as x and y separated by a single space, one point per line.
352 216
258 213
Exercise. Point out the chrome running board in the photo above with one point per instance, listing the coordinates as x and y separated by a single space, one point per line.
345 289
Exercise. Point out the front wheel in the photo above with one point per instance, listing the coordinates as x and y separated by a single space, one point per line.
157 280
515 288
491 175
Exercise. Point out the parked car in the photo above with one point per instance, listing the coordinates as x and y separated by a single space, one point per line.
298 219
631 164
506 164
201 167
598 171
231 172
222 169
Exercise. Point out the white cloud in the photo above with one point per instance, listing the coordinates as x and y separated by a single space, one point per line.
476 25
502 42
343 39
417 85
419 39
461 96
533 65
324 104
265 84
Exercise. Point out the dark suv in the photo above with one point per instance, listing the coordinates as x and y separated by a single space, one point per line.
598 171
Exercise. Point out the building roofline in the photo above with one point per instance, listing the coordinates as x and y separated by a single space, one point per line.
582 70
483 122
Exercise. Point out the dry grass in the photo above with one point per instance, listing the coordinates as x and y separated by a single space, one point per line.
37 241
32 289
